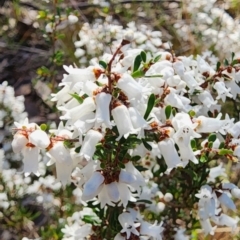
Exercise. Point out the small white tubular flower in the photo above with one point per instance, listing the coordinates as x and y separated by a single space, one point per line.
191 82
89 88
124 128
180 120
222 91
62 96
75 113
206 98
102 110
179 68
83 125
125 194
176 100
19 142
30 160
227 221
182 138
235 192
77 75
130 87
39 138
207 227
64 163
138 178
137 120
208 125
93 186
129 226
72 19
169 153
235 130
225 200
109 193
151 230
216 172
206 202
89 144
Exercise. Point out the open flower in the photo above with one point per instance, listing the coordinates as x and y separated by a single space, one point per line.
29 139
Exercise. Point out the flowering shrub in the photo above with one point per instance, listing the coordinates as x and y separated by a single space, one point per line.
141 138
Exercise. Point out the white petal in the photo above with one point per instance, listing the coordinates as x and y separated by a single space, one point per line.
30 160
19 142
91 187
113 192
39 138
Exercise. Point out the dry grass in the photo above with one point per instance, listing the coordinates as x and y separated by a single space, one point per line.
221 234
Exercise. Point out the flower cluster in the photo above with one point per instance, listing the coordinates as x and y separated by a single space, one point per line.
131 118
211 21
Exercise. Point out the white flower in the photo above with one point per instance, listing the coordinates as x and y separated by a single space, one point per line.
207 227
226 201
216 172
124 128
102 109
39 138
130 87
72 19
168 197
93 186
129 226
78 112
151 230
228 221
208 125
222 91
64 163
169 153
89 144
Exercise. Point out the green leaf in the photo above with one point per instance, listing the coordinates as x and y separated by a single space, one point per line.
137 63
136 158
168 111
144 201
77 150
103 64
138 73
157 58
218 65
147 145
221 145
141 168
193 143
210 144
174 112
150 105
224 151
226 63
77 97
234 62
43 126
203 158
143 56
212 137
153 76
68 144
233 55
